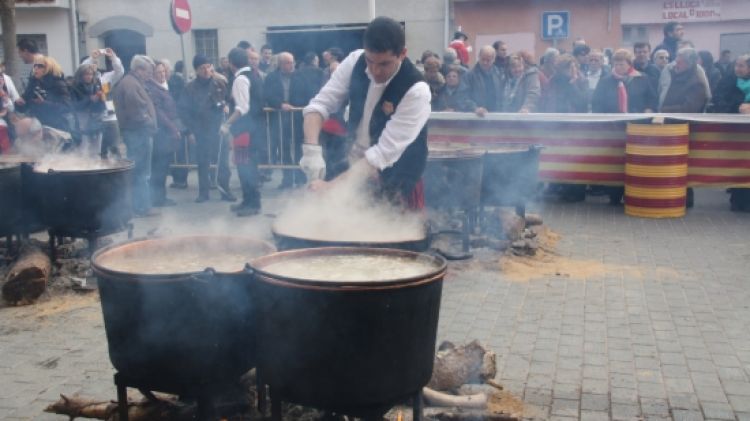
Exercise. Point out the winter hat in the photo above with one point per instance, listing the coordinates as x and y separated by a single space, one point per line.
199 60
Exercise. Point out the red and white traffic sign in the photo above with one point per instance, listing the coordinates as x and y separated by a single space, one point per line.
182 18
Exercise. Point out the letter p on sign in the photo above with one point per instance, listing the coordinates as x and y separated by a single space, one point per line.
555 25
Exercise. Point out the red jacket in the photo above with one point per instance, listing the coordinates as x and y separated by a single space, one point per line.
461 50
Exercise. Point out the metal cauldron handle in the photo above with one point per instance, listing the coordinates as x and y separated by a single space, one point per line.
248 270
204 277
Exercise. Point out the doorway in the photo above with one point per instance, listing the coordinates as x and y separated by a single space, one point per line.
126 44
298 40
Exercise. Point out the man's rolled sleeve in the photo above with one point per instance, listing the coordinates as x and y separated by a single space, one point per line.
403 128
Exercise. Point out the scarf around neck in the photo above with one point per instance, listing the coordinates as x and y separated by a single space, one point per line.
744 86
622 92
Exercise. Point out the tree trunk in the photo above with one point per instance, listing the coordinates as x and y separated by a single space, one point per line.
8 22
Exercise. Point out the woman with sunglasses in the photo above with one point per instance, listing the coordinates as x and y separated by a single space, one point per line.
47 96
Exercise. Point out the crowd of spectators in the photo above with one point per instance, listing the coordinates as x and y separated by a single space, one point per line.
671 78
162 115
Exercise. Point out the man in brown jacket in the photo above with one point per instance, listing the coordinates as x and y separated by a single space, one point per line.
137 120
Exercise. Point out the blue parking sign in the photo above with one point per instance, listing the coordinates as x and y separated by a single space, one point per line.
555 25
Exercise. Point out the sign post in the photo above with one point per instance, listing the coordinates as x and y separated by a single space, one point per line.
555 26
182 21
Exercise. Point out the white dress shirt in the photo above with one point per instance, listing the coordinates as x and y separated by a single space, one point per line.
400 131
241 91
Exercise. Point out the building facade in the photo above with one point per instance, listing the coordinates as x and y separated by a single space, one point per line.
217 25
712 25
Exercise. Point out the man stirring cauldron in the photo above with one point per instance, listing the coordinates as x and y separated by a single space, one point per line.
389 104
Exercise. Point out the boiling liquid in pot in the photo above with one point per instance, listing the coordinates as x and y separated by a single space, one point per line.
168 263
351 267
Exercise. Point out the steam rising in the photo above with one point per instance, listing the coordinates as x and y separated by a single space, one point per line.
347 212
72 162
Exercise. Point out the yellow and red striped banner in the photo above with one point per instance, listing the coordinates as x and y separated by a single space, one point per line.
593 152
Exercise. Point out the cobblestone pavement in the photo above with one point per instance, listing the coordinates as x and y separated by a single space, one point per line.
659 331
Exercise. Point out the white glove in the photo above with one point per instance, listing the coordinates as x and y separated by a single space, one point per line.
312 162
224 129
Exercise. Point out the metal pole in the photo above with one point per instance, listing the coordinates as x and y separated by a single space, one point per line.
184 60
371 7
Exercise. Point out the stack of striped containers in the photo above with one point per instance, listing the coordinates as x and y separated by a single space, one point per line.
656 166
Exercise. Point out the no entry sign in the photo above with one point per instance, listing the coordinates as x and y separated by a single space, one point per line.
182 18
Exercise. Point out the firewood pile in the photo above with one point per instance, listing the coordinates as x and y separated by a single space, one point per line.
503 230
28 274
461 389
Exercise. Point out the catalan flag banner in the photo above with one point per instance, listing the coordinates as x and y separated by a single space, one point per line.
590 148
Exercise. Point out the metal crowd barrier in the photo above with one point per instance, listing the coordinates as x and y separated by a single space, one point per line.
280 147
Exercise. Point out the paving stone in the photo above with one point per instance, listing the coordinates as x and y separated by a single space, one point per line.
565 407
717 411
659 407
594 416
739 403
625 411
591 402
683 415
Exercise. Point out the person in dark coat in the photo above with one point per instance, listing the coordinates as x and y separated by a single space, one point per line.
522 87
673 33
136 118
733 97
486 83
201 108
176 85
168 134
281 87
686 91
454 95
713 74
88 103
308 80
624 90
642 62
567 89
47 96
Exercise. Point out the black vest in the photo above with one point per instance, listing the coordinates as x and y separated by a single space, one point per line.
402 177
251 121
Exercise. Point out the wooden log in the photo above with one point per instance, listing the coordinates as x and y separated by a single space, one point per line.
435 398
458 365
27 278
145 410
533 219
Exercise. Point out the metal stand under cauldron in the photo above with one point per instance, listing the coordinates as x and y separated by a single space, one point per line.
376 415
56 236
205 402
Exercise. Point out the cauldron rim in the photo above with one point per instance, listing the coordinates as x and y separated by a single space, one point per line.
400 244
118 166
491 148
99 269
436 274
8 166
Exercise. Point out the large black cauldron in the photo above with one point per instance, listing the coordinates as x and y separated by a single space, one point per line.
30 220
510 175
83 203
453 177
286 241
10 199
350 347
184 332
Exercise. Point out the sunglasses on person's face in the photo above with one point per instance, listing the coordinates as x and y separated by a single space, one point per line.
39 65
